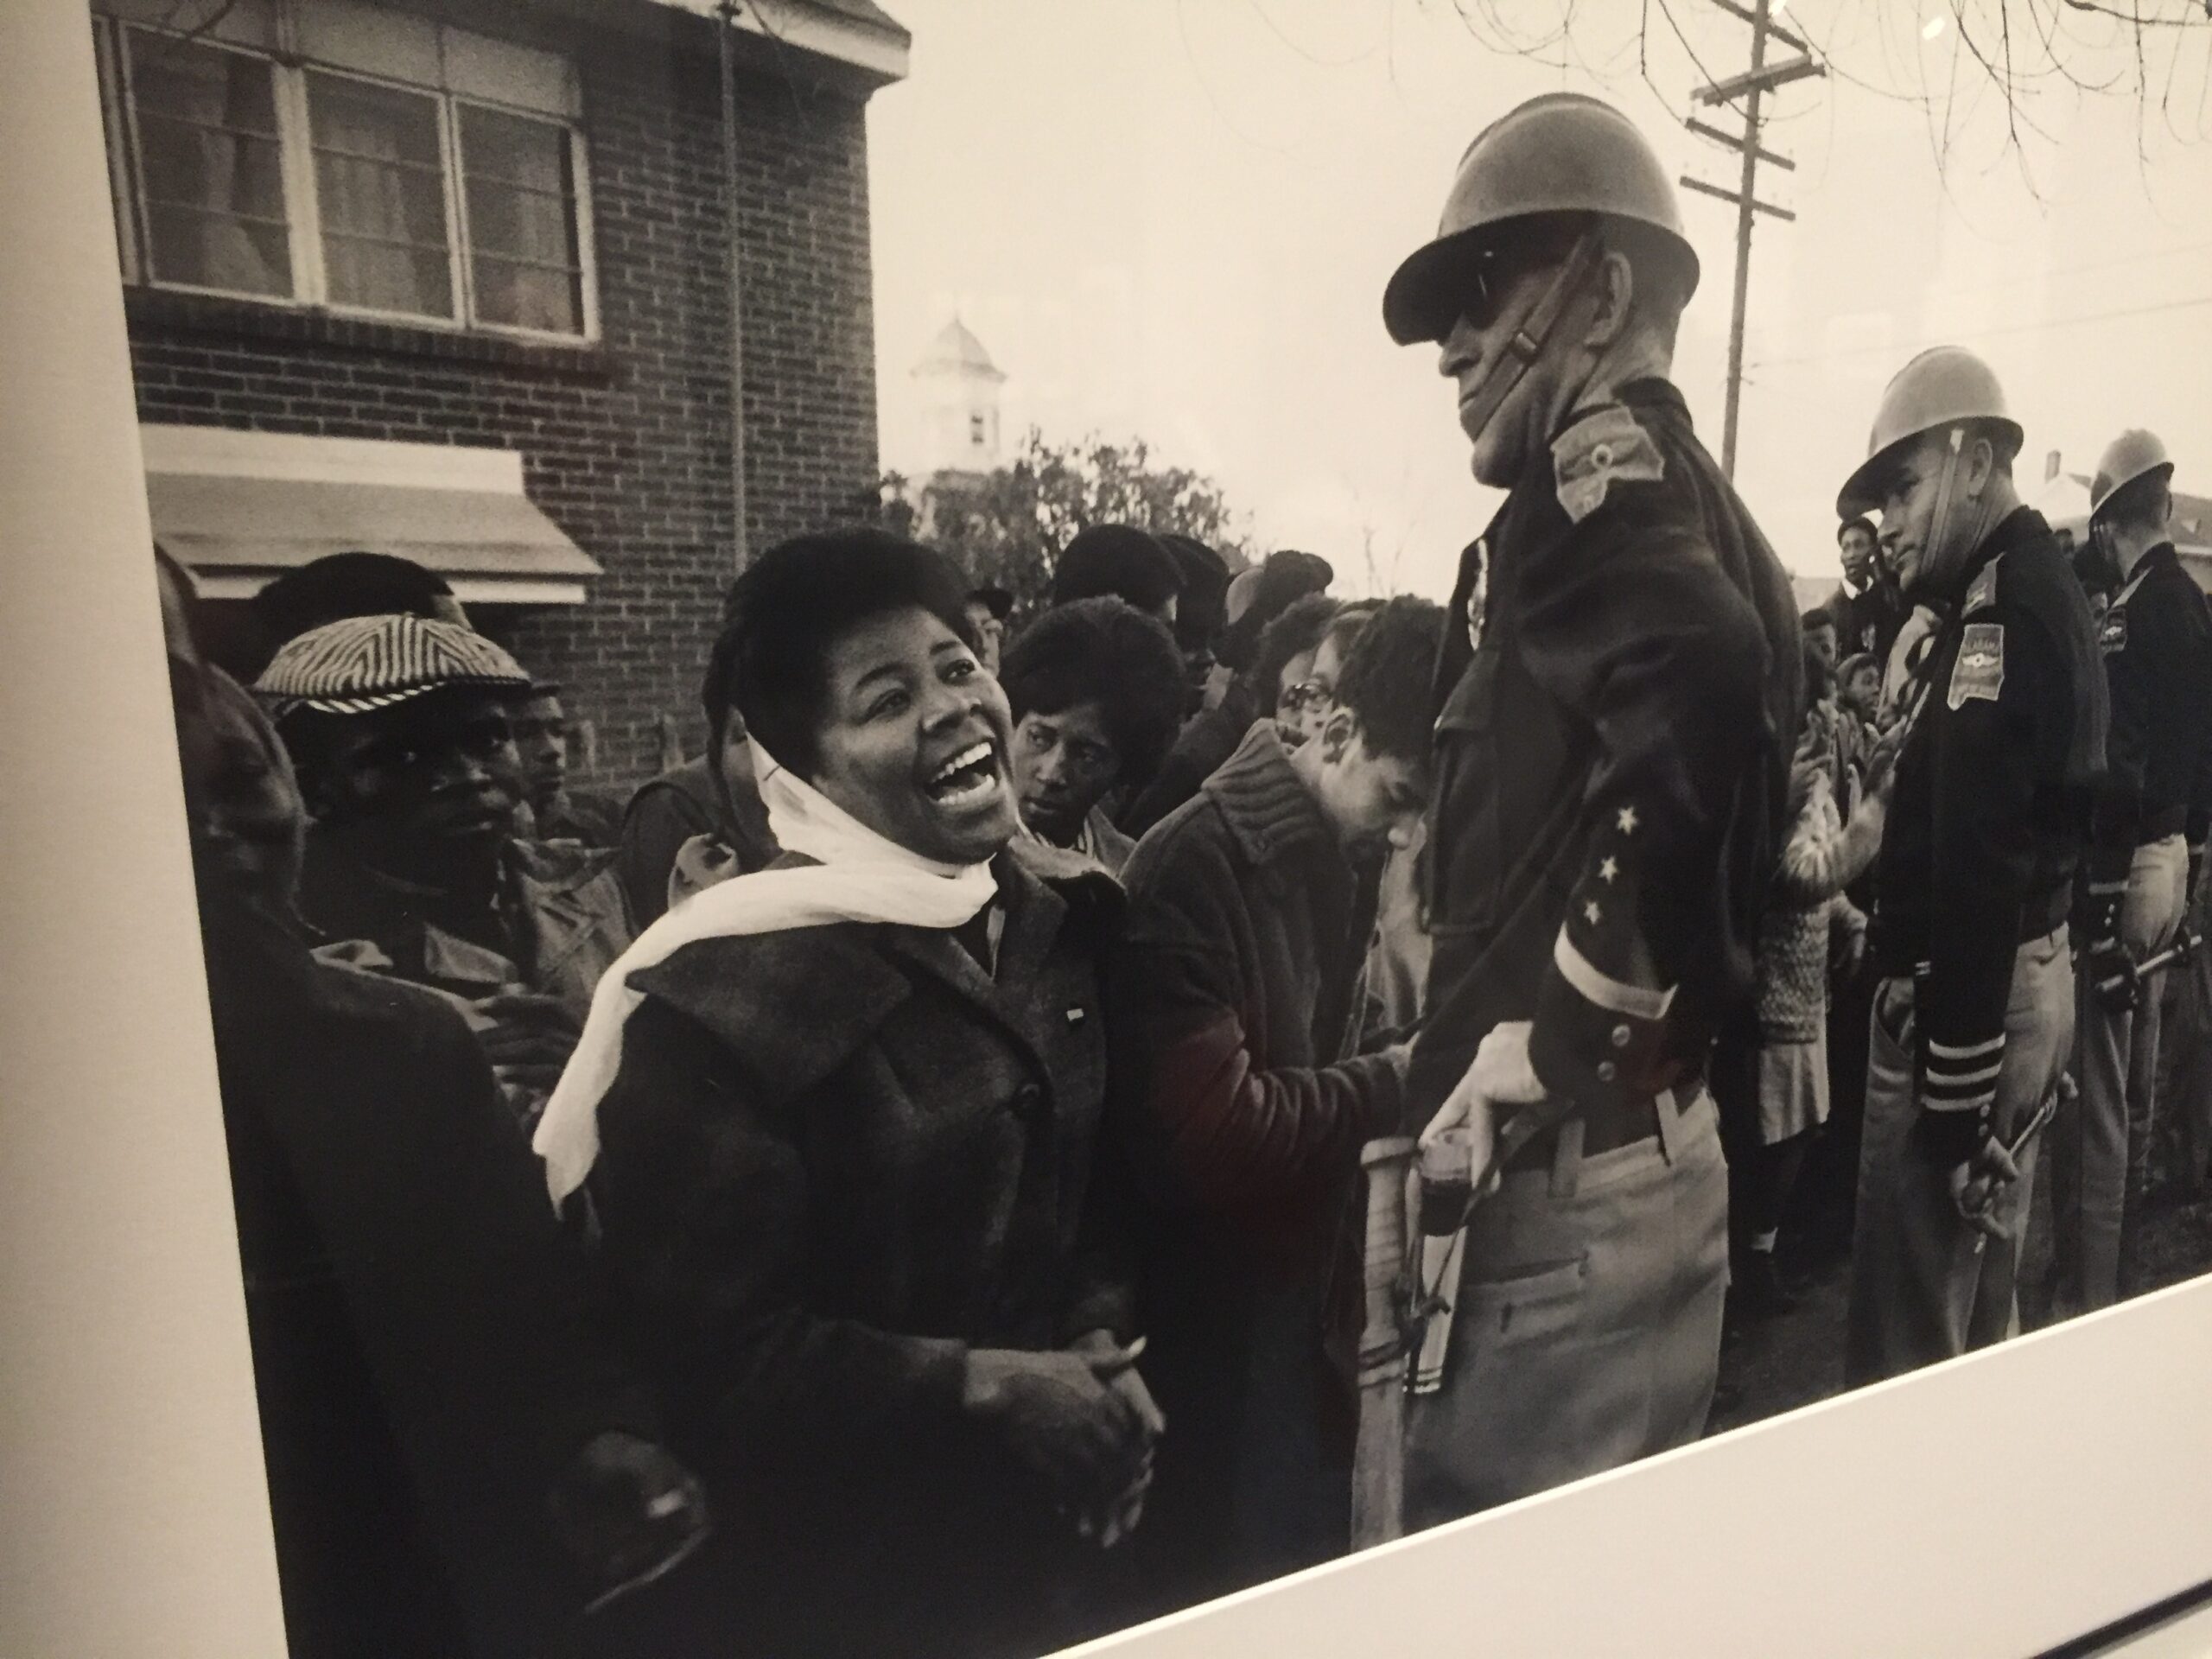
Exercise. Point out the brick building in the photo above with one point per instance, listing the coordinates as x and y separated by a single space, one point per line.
450 278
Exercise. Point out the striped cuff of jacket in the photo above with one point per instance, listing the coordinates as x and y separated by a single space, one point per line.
1962 1078
1958 1094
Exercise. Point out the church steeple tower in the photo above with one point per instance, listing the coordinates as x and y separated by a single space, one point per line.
960 403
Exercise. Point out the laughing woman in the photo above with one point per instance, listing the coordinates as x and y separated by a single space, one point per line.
837 1120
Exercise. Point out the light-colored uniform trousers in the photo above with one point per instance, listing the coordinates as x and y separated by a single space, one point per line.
1586 1327
1925 1284
2100 1148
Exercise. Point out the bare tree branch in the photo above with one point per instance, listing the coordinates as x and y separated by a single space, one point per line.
2015 50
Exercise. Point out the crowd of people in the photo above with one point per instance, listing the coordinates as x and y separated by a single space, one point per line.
893 1184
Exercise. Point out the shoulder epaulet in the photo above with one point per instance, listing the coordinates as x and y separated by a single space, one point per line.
1982 593
1606 446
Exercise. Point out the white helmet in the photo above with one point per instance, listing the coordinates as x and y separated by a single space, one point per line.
1944 386
2131 455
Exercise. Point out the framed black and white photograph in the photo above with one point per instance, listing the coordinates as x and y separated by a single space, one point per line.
1185 827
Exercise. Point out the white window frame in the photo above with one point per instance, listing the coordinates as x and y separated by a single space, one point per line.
449 182
587 312
295 151
133 174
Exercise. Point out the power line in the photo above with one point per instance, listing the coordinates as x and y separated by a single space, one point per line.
2044 327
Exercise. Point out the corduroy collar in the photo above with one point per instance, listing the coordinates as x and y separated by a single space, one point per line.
1266 803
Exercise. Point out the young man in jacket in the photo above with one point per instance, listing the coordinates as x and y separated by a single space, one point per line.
1237 997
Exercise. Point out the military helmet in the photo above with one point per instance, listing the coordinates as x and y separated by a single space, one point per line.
1557 154
2131 455
1944 386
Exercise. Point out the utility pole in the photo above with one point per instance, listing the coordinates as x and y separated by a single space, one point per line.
734 244
1752 87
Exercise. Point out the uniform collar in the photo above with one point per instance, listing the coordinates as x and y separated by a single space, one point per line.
2158 557
2018 528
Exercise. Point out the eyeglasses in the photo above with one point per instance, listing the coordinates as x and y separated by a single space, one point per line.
1307 693
1491 273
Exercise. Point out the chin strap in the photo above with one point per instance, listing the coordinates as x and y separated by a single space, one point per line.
1532 335
1940 521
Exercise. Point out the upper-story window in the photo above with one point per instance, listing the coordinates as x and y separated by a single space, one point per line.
331 154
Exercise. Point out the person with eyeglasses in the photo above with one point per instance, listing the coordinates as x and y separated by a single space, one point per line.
1303 706
1618 692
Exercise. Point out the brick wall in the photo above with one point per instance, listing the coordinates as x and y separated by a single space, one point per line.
625 443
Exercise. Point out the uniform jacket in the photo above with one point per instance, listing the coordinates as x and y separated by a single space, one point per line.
1613 750
1990 812
1239 999
834 1159
2156 640
562 919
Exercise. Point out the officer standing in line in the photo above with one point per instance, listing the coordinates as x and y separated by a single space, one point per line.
1620 695
1973 1018
2146 840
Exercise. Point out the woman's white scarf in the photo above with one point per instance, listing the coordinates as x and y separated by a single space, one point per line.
858 877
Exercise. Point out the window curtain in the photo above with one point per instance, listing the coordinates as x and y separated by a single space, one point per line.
384 229
199 111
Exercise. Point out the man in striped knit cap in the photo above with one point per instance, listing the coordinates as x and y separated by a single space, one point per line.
402 730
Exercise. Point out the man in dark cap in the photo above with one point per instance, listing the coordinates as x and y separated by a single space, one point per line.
1202 612
337 585
1257 597
1123 562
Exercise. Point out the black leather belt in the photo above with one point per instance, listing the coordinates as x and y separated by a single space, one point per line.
1605 1127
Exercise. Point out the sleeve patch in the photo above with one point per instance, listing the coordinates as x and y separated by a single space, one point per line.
1606 446
1982 593
1979 670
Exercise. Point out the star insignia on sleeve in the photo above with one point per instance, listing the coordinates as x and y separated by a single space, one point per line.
1591 912
1610 868
1627 820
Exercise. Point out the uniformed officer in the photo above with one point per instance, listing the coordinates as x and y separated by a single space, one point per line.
2147 836
1975 1016
1618 698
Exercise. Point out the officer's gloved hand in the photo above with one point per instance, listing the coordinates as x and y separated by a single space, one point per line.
2112 975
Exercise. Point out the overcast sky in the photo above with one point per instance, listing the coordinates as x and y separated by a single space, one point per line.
1174 218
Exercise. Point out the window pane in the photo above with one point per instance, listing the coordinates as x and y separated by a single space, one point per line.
380 188
209 166
521 198
529 296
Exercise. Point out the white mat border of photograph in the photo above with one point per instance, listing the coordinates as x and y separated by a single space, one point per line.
1997 1505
